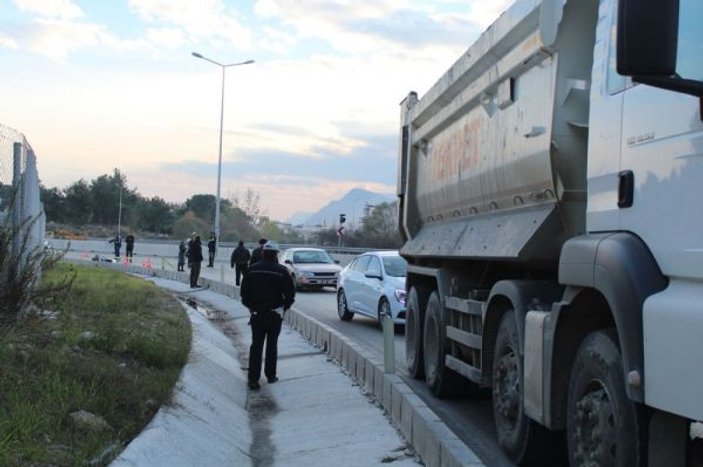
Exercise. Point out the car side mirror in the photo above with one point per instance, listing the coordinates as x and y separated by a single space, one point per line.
374 275
288 262
336 261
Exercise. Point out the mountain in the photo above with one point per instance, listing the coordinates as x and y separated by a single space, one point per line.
353 205
299 218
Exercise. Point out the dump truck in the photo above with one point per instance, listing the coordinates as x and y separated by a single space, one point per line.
548 189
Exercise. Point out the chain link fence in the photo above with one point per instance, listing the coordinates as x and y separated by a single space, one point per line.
21 211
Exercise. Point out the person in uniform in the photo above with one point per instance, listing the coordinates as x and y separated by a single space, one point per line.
267 291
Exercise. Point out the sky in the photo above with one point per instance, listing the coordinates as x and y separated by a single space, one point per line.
96 85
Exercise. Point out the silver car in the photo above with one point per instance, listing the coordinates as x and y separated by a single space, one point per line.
311 267
373 284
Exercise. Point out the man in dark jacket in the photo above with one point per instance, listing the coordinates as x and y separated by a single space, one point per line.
130 247
195 258
256 255
211 247
267 290
240 261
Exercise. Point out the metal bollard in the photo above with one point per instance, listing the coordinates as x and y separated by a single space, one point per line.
388 344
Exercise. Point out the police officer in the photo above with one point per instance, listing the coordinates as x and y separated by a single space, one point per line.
267 290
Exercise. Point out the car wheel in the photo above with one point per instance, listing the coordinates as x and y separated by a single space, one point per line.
602 424
342 309
295 282
384 309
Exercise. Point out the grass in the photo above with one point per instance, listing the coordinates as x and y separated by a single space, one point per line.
113 347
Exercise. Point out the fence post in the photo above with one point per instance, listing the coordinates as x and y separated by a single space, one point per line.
16 193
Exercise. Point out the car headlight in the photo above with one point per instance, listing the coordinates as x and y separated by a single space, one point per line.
400 296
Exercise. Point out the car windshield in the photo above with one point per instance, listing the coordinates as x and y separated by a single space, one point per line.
395 266
312 256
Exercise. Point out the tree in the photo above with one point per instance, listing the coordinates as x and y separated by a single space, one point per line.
156 215
202 206
270 230
189 223
54 202
380 227
236 225
106 197
249 203
79 203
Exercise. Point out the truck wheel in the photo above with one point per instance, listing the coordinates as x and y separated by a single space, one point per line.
523 440
602 424
342 309
441 380
414 319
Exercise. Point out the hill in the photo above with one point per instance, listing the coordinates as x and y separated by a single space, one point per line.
354 205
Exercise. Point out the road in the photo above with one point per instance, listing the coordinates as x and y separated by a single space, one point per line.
471 419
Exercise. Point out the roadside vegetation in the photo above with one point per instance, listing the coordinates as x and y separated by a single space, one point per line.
89 209
81 376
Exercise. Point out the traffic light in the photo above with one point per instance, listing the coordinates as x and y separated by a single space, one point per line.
342 218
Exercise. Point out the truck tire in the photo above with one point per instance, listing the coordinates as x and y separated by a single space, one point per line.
522 439
441 380
414 321
603 426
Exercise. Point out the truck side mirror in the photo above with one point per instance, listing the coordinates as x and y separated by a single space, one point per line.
647 37
648 44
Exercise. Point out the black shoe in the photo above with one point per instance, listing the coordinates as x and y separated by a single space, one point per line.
254 385
272 380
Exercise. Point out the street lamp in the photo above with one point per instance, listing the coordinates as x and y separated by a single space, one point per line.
222 115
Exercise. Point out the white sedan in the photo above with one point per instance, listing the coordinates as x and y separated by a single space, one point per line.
311 267
373 284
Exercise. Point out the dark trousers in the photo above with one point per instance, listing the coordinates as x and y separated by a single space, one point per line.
265 326
210 258
239 271
130 252
194 273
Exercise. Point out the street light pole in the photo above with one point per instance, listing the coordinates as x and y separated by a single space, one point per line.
222 117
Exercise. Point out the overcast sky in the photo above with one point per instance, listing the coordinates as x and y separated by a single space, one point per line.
101 84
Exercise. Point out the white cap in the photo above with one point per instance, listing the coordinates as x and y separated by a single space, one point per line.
271 246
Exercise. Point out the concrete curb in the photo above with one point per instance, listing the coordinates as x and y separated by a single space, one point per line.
436 444
178 435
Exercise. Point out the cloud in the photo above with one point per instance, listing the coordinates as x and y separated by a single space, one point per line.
199 21
60 9
355 27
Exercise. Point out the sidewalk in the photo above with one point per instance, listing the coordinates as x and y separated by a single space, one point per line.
314 415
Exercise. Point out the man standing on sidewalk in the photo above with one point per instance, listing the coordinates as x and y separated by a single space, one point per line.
211 248
267 291
240 261
195 258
